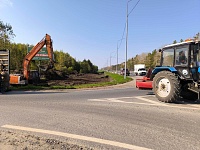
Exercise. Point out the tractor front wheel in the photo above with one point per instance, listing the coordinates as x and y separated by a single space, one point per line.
166 87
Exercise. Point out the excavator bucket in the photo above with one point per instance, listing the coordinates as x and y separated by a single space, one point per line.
145 82
46 67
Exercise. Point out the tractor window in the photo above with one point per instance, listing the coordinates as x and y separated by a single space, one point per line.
181 55
197 51
168 57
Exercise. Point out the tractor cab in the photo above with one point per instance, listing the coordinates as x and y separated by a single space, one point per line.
179 72
178 75
182 58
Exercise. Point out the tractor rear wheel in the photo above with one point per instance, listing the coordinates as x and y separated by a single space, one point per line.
166 87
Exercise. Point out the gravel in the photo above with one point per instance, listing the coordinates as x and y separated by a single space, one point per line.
10 140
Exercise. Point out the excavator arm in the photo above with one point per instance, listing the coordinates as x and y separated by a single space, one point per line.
49 46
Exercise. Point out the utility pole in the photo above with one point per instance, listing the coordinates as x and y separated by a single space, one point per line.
117 60
126 40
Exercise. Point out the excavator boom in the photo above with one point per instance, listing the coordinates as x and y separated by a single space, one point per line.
45 41
23 79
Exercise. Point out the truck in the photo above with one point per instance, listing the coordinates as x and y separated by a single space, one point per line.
33 76
139 69
174 78
4 70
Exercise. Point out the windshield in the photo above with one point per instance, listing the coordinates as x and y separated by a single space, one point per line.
181 55
142 69
168 57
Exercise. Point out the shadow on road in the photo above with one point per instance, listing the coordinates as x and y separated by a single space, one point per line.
185 101
181 101
32 92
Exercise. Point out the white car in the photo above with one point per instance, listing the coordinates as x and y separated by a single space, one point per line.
141 72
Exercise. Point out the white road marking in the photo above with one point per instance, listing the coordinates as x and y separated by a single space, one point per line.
150 102
79 137
168 105
119 100
116 101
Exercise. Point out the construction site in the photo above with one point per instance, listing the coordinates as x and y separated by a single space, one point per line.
45 75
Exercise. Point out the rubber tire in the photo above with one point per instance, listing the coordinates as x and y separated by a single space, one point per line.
174 94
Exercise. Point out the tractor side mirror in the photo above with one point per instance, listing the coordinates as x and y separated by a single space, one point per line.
160 50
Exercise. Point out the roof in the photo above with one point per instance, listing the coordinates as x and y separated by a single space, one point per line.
181 43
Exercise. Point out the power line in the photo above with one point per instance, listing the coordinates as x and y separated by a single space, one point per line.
125 23
122 35
133 7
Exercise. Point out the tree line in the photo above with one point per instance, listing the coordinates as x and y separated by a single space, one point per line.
150 60
63 61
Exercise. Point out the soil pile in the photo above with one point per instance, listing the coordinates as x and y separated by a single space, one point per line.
60 79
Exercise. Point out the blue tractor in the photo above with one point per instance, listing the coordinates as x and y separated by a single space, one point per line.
178 75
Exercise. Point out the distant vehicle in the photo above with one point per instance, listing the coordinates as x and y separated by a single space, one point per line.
142 72
139 69
123 71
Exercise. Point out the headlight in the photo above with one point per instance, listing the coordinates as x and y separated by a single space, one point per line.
185 72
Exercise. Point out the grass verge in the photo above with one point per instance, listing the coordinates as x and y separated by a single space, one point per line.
115 79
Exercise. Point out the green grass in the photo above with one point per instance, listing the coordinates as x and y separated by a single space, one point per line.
115 79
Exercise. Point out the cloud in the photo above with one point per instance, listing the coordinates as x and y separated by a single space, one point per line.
6 3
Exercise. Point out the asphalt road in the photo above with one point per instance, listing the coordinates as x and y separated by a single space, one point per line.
113 118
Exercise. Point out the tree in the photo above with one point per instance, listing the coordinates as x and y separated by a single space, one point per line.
197 36
17 54
87 67
174 42
6 34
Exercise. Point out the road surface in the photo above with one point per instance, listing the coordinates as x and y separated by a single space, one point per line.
104 118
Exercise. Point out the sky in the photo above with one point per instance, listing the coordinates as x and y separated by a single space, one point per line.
93 29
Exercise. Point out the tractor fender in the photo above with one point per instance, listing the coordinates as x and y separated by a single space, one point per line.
159 69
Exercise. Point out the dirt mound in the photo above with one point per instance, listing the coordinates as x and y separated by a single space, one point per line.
59 78
77 79
55 75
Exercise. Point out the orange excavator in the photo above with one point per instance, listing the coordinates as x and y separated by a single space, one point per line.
24 79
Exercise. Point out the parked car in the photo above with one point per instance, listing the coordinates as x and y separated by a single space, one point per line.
123 71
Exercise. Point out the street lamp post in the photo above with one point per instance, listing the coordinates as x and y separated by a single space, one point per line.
111 58
127 14
117 53
117 60
126 40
